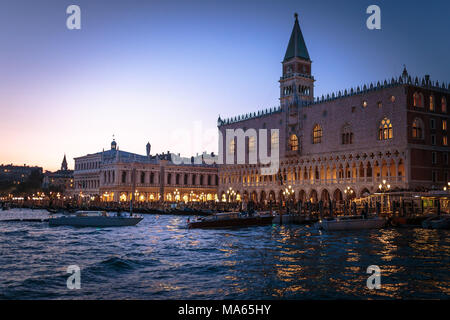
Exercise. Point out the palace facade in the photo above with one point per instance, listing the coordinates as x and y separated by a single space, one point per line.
114 175
389 135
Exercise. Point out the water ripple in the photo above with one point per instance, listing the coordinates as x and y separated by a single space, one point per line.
161 259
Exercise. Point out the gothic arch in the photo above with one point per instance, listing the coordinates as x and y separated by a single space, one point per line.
337 195
313 197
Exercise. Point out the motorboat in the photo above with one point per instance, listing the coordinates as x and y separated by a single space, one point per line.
437 222
351 223
231 219
95 219
293 218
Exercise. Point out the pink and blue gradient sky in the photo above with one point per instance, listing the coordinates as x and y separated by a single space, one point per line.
159 70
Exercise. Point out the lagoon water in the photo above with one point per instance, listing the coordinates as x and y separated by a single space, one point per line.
160 259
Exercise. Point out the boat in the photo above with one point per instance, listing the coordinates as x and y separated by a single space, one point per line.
437 222
409 221
231 219
293 218
5 206
351 223
94 219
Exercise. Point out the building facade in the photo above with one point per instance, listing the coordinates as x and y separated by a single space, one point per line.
114 175
391 135
15 175
61 180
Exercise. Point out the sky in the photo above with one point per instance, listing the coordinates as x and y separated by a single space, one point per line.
163 71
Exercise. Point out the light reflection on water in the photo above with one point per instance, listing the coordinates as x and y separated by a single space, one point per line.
160 259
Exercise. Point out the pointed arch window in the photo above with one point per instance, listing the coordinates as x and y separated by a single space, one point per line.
385 130
317 134
293 142
252 144
274 139
431 103
347 134
417 129
232 147
418 100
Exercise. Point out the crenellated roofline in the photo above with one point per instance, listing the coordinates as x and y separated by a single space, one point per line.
424 83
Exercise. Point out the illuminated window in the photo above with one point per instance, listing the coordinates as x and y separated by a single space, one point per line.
232 147
251 144
364 104
417 129
385 130
317 134
444 140
431 103
443 104
418 100
444 125
274 139
392 98
293 143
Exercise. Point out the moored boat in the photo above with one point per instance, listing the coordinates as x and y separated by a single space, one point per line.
94 219
437 222
231 219
408 222
293 218
351 223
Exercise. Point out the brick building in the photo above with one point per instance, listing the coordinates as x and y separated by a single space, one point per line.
392 134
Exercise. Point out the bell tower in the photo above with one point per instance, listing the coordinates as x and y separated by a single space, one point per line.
296 83
296 87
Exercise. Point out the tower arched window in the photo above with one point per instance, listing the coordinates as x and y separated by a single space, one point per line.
385 130
293 142
417 129
317 134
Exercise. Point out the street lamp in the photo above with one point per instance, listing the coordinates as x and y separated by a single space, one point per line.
348 191
384 187
176 195
288 192
231 194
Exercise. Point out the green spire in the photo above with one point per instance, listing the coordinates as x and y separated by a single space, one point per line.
296 46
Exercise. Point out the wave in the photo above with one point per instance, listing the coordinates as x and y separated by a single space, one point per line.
15 233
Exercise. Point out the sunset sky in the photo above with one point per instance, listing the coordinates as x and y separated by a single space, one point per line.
163 71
